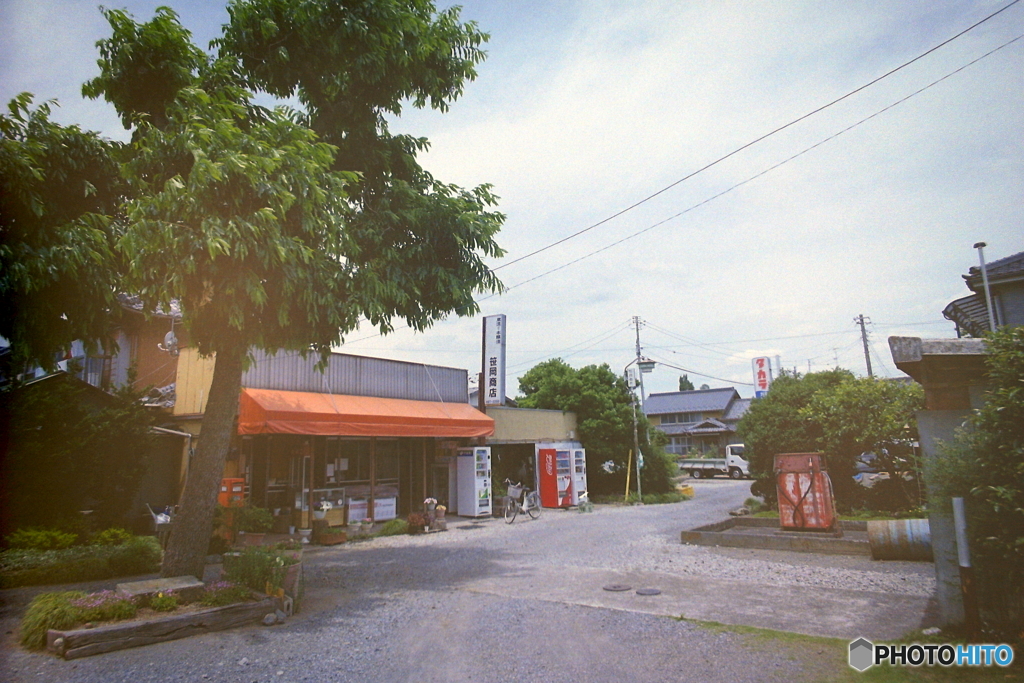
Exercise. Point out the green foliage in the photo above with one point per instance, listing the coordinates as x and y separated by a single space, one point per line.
258 568
47 611
274 229
66 448
105 605
985 466
604 418
253 520
66 610
112 536
58 187
685 384
394 527
164 601
140 555
843 417
31 538
222 593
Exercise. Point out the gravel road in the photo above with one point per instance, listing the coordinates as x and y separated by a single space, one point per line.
412 608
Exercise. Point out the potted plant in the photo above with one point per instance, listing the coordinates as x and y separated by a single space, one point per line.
332 535
254 522
440 510
320 511
416 523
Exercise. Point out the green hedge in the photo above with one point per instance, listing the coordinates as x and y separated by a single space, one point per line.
140 555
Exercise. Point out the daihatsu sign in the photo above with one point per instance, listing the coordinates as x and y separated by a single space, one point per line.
494 360
762 376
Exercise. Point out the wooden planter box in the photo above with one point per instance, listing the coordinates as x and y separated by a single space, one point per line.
86 642
332 539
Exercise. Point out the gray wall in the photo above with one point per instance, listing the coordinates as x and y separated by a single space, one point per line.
358 376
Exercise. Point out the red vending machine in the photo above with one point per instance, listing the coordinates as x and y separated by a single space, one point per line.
805 493
561 474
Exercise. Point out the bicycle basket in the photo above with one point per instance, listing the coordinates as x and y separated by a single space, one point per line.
515 491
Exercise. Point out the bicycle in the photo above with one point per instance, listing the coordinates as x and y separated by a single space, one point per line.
530 504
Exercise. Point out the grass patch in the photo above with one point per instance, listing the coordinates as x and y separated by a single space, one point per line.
139 555
826 659
649 498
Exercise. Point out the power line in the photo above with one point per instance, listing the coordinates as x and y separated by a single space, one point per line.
757 140
702 374
758 175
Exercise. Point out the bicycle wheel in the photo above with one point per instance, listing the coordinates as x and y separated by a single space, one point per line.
511 508
532 506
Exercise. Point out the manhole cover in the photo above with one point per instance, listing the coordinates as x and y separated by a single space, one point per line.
617 588
648 591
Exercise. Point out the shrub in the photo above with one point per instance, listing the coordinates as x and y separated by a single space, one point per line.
218 545
222 593
139 555
258 568
105 606
253 520
394 527
40 539
164 601
985 466
112 536
47 611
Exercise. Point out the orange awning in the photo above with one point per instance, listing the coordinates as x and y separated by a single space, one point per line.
267 411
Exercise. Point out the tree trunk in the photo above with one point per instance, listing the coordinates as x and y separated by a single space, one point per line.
193 525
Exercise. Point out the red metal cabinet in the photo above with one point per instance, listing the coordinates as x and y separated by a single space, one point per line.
805 492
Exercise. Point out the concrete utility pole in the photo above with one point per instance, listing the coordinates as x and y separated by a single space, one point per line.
864 338
637 323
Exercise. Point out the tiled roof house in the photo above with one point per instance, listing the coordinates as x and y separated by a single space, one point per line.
703 420
1006 283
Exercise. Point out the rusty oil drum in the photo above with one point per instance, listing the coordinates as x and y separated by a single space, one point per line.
900 539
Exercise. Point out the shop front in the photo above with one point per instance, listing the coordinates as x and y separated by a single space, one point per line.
368 457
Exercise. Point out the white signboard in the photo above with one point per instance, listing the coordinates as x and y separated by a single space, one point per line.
762 376
494 360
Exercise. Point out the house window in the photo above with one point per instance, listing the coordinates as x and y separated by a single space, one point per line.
678 445
681 418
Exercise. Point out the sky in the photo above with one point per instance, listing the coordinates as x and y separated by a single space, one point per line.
584 109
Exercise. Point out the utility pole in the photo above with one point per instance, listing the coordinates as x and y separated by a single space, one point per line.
980 246
636 439
637 323
864 338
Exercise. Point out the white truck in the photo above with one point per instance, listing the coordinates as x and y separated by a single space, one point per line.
732 464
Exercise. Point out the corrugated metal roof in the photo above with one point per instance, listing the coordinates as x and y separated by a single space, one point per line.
697 401
970 313
357 376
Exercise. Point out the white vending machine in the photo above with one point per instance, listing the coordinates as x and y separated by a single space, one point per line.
579 473
473 473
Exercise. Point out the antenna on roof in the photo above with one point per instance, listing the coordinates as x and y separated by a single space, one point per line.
170 344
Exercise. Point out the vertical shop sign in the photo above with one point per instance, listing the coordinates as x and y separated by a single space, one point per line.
494 360
762 376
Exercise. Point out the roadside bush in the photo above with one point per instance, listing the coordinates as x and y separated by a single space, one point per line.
253 520
47 611
222 593
140 555
31 538
112 536
164 601
985 466
105 606
394 527
258 568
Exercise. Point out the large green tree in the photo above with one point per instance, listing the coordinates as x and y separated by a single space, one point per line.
59 187
604 414
280 229
843 417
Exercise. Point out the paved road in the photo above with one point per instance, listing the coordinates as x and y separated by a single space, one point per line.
489 601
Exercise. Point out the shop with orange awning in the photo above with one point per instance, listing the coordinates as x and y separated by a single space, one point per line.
368 457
